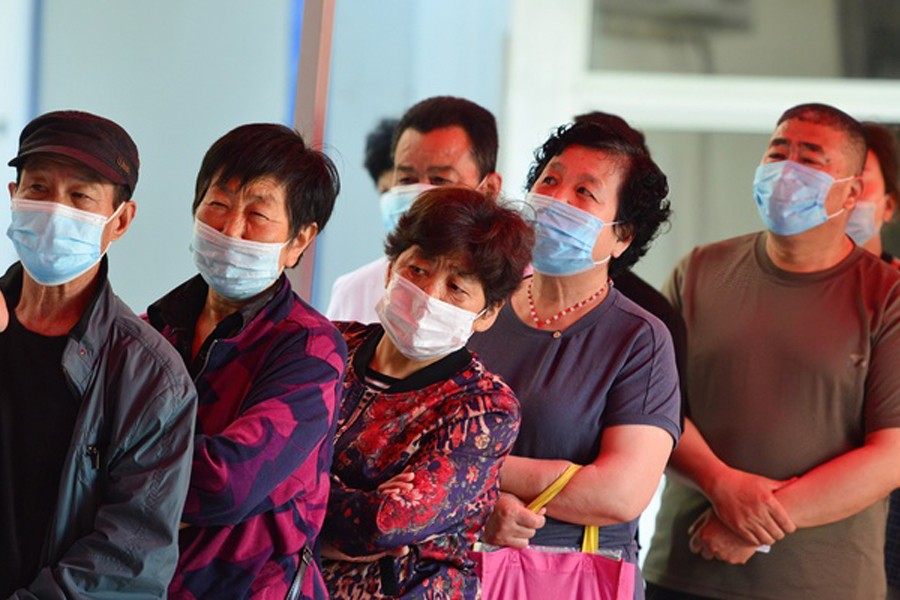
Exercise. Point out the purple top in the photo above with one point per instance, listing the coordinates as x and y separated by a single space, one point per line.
268 385
614 366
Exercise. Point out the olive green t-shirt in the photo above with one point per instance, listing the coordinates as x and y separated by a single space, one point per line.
786 371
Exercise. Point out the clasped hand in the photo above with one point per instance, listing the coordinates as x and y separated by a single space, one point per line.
745 515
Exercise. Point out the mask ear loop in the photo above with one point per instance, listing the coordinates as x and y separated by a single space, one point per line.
609 256
107 222
843 209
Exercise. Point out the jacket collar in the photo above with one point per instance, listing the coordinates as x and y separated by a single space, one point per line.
180 308
89 333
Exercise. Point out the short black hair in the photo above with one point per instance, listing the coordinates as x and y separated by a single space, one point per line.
615 123
883 142
378 149
643 207
493 241
258 150
439 112
834 118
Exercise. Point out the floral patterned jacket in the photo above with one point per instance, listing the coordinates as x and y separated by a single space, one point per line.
451 425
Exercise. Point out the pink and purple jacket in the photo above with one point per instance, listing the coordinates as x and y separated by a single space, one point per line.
268 381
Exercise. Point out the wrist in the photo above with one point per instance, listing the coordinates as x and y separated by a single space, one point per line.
710 481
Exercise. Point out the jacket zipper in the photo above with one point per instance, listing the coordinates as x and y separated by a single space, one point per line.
209 352
94 452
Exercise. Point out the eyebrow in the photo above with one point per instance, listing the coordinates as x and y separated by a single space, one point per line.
807 145
465 274
263 197
430 170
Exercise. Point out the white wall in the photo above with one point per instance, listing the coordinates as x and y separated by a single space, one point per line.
176 75
386 56
15 97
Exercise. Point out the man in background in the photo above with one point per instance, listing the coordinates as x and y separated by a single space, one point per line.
442 140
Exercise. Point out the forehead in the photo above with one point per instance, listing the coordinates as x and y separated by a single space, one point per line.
810 135
446 145
872 167
588 163
261 188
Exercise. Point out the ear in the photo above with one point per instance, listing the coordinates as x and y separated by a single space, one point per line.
491 185
484 322
123 220
294 250
890 205
12 189
623 236
387 273
854 191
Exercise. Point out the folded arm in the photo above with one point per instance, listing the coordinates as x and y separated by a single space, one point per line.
744 501
828 493
249 466
451 471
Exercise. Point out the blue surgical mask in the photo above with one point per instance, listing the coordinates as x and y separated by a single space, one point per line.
56 243
791 197
861 223
397 201
236 269
564 237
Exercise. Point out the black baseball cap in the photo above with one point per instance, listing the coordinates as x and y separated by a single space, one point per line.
96 142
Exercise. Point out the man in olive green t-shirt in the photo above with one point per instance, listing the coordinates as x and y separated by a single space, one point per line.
792 442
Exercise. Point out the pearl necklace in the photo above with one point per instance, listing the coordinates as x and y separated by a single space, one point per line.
577 306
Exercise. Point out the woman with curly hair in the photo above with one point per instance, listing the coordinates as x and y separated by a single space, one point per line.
423 427
595 373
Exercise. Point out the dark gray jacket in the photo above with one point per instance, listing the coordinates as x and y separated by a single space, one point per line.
125 478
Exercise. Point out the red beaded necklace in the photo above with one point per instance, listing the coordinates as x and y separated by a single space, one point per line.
577 306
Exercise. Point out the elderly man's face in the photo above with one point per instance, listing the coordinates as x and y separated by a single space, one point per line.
440 157
52 178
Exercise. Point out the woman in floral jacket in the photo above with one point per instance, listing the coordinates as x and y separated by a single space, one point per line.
423 428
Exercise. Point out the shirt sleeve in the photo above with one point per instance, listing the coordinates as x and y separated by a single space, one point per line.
882 385
286 417
456 471
674 285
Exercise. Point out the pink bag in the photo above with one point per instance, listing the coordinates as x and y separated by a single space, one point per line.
513 574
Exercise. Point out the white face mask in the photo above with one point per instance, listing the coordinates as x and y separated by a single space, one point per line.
421 327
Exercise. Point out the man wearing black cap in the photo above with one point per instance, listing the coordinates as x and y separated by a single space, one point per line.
96 409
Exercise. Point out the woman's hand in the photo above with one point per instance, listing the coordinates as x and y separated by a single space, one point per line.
511 523
398 484
329 551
